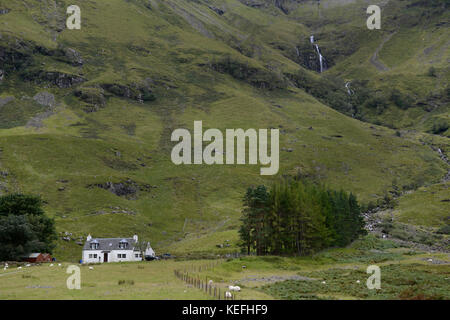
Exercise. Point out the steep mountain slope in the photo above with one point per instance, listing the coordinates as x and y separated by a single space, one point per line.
86 115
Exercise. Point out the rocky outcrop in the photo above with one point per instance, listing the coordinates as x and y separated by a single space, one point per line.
59 79
45 99
73 56
93 96
217 10
134 91
257 77
128 189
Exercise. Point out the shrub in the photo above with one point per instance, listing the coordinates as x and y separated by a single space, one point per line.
126 282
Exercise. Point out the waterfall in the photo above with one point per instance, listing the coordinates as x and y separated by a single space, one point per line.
321 58
349 91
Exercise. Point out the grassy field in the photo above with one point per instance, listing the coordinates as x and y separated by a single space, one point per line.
405 274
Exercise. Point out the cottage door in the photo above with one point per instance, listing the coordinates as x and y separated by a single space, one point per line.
105 257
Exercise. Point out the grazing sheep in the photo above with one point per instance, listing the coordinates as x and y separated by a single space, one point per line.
51 265
228 295
323 282
357 281
210 282
28 265
91 268
59 264
430 260
234 288
19 268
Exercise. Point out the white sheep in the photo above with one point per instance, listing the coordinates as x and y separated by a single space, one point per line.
59 264
228 295
323 282
51 265
91 268
357 281
28 265
210 283
19 268
234 288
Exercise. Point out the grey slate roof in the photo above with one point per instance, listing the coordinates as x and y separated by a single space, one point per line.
107 244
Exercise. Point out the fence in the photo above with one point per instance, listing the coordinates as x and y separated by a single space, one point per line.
196 281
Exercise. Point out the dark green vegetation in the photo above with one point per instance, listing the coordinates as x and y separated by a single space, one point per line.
24 227
297 217
86 115
412 282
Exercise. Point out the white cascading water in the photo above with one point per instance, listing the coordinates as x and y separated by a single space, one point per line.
318 52
349 91
320 58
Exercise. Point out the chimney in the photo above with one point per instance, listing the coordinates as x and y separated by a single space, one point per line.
89 238
135 238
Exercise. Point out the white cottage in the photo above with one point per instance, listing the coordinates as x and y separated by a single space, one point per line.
101 250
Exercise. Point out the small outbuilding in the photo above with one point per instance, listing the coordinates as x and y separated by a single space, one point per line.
37 257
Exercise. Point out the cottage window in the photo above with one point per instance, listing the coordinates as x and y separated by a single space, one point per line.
94 244
123 244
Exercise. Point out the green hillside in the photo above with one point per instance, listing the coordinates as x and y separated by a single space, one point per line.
86 115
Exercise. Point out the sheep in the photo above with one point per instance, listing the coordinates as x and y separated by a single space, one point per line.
357 281
430 260
228 295
28 265
210 283
91 268
59 264
51 265
234 288
323 282
19 268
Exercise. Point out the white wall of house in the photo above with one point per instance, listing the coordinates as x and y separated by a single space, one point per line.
97 256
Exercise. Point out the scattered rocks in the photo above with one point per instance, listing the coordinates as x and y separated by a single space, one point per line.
45 99
6 100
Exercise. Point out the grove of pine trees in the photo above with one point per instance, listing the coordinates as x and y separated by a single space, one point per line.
298 218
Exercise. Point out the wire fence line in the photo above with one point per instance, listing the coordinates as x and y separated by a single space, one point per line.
190 276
